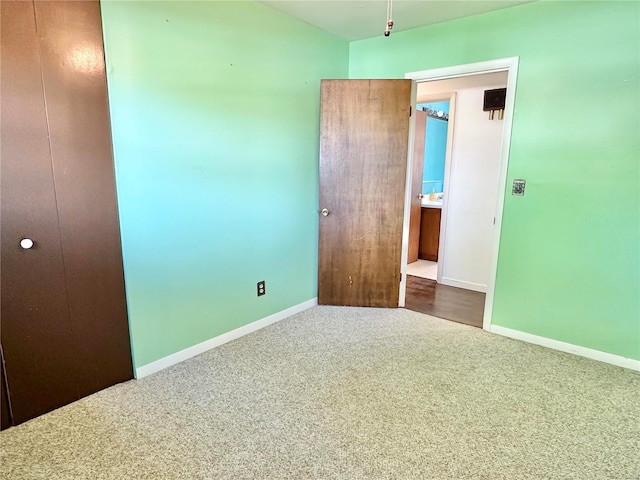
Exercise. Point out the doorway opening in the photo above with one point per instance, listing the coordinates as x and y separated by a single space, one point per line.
430 152
460 213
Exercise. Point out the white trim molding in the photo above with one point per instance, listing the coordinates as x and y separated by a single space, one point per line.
489 66
191 352
610 358
452 282
404 252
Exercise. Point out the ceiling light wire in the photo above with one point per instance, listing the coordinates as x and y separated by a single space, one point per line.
387 30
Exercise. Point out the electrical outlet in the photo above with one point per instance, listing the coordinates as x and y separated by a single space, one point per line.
518 187
262 288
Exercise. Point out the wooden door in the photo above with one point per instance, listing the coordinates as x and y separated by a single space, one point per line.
64 320
37 336
73 72
364 129
5 415
419 138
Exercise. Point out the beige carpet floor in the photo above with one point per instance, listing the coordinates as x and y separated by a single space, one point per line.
348 393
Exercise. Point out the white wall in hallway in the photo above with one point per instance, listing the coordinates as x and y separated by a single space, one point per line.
472 192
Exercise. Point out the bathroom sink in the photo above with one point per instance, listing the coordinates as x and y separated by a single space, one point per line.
437 203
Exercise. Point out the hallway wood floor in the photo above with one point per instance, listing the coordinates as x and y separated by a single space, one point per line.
456 304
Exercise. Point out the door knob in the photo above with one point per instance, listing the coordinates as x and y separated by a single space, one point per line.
420 196
324 212
26 243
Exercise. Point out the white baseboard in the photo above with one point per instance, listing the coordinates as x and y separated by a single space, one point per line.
190 352
617 360
476 287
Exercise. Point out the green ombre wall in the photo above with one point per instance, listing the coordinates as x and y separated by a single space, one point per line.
215 114
215 120
568 266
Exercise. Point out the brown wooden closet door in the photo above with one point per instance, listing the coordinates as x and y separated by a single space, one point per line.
73 69
37 337
64 319
5 415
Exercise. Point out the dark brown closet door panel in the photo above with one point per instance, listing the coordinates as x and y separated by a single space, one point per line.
5 416
37 336
74 78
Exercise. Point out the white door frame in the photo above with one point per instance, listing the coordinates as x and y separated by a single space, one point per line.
510 65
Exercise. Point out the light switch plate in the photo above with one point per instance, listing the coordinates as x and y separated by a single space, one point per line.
518 187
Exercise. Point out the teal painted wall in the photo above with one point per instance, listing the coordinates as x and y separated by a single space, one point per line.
215 117
569 263
435 149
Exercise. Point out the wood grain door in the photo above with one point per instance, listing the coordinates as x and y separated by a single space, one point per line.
419 138
73 73
364 129
5 415
64 319
37 337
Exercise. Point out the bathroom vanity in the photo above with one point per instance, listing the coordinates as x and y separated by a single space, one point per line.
430 230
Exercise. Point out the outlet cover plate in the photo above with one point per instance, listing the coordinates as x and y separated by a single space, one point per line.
518 187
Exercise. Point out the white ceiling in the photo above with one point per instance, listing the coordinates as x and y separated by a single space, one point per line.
358 19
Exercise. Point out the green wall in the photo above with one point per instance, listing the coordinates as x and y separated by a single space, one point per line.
569 265
215 117
215 109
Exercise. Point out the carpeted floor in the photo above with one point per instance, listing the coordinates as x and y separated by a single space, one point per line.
348 393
